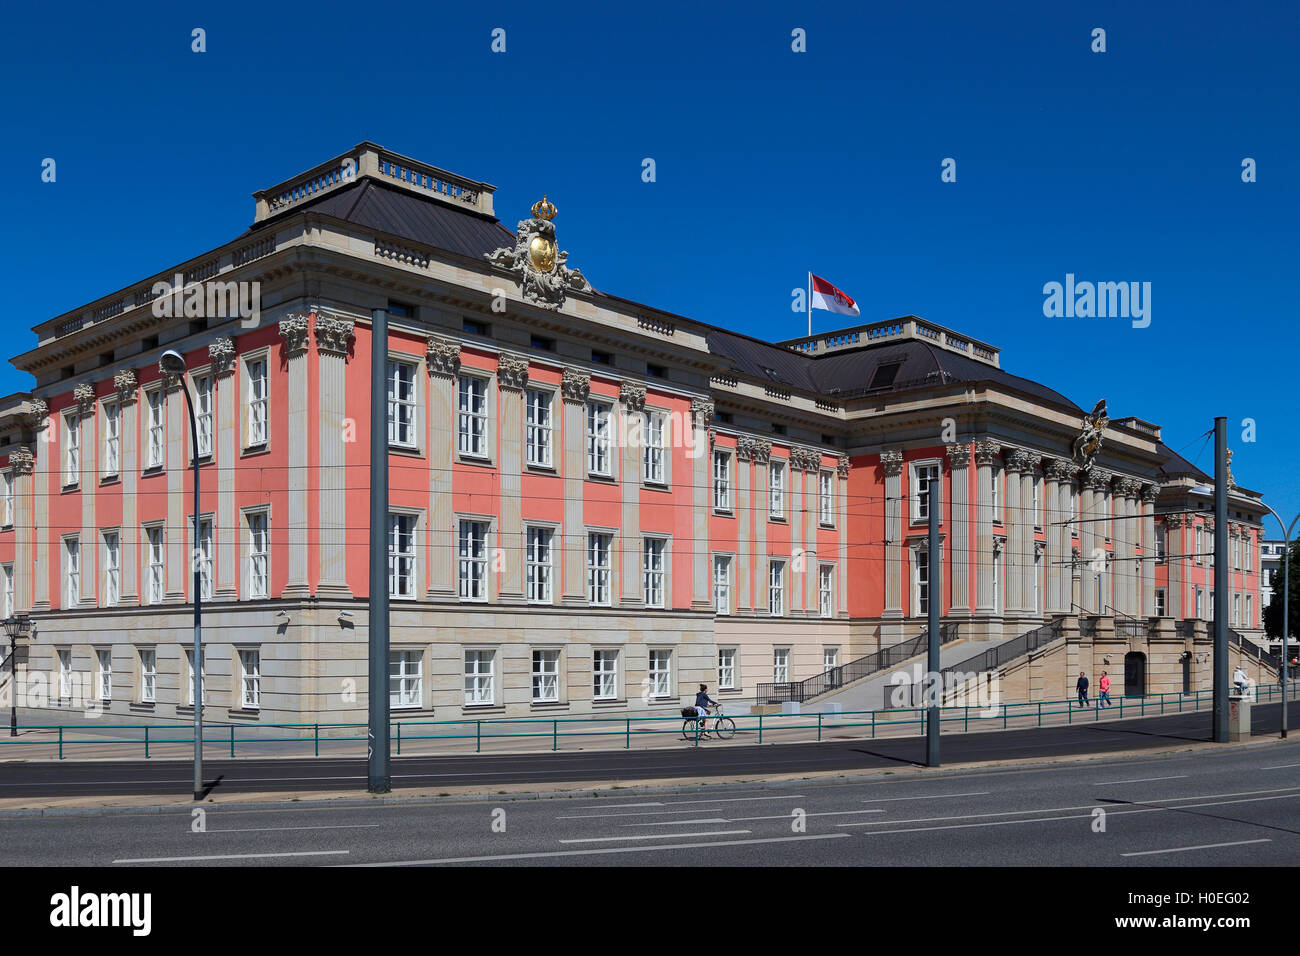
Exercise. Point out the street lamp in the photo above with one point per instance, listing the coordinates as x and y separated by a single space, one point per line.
1286 598
172 363
16 626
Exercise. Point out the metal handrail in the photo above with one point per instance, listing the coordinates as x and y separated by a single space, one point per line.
995 657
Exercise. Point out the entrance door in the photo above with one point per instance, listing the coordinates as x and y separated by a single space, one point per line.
1135 674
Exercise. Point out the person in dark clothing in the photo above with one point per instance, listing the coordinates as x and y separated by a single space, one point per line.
702 702
1081 685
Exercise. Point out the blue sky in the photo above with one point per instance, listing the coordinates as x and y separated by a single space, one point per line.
1115 166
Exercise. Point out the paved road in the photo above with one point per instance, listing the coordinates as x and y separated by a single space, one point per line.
1232 807
712 759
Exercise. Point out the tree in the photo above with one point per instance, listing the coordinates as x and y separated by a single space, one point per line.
1273 613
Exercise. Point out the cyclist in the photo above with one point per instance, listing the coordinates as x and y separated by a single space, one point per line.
702 704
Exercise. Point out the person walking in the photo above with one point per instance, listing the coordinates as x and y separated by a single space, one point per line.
1103 685
1081 685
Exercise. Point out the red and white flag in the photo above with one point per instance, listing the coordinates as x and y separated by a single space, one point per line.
823 295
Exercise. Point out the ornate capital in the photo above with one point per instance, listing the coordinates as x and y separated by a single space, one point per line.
1173 521
171 382
36 417
842 466
632 396
753 449
1098 479
892 463
1209 524
334 336
221 352
986 453
575 386
1150 493
125 383
959 456
805 459
1020 461
84 396
702 408
999 544
22 461
443 356
1059 469
512 371
294 332
1039 548
1127 487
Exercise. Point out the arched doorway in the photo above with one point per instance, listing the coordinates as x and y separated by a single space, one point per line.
1135 674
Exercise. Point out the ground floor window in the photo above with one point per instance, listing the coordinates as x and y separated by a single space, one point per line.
781 665
105 674
480 686
148 675
546 676
661 673
604 667
830 658
250 679
404 679
727 668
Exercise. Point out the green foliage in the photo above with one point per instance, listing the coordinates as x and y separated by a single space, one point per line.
1273 613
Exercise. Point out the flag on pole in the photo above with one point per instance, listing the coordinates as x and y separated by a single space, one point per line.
823 295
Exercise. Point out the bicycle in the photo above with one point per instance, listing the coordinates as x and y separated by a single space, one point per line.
724 728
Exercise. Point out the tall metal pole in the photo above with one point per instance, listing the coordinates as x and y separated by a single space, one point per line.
13 683
1221 599
378 758
198 606
1286 601
933 602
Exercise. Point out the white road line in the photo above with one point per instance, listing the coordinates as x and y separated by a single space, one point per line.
1106 783
704 806
656 836
616 806
936 796
786 816
1281 766
678 823
1203 846
612 849
324 826
233 856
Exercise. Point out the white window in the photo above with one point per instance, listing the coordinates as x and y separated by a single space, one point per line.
661 673
921 477
471 567
1236 610
604 669
72 449
104 673
1161 602
257 402
189 678
259 556
112 568
997 582
546 676
154 424
776 489
157 583
652 551
403 679
1200 544
1038 582
72 571
539 565
776 588
479 677
994 482
598 547
726 668
1236 553
1074 511
8 571
1250 611
652 456
1248 546
401 556
826 497
1200 603
401 404
781 665
826 589
598 457
721 481
250 679
830 658
203 558
65 673
148 675
1038 501
1162 537
722 584
203 413
112 438
922 572
471 416
539 432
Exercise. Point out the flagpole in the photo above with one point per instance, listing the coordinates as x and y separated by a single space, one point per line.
809 305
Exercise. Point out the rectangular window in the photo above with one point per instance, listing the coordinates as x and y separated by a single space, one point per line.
1162 537
1038 501
826 589
257 402
250 679
189 678
401 404
157 582
112 439
923 582
721 481
72 449
776 489
8 571
604 669
598 457
598 568
539 432
1236 610
154 423
1161 602
1248 546
652 552
203 555
781 665
1236 553
404 679
921 477
652 456
776 588
830 658
1200 544
401 556
722 585
104 673
993 479
1200 603
471 416
259 556
148 675
112 568
203 413
726 668
826 497
1250 611
471 568
479 678
1038 582
661 673
539 564
546 677
72 572
65 673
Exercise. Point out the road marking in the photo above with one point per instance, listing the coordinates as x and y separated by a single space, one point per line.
324 826
1203 846
233 856
1106 783
700 807
786 816
1281 766
612 849
616 806
937 796
657 836
677 823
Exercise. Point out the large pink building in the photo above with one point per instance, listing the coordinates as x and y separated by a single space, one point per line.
595 504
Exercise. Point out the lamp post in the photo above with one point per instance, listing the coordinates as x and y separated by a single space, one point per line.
16 626
1286 598
172 363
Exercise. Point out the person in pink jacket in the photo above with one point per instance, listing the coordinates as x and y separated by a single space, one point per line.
1103 686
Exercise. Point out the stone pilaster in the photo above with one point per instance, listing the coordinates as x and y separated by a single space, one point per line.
44 476
294 332
842 470
751 513
442 357
333 342
88 481
1017 514
1028 567
512 379
129 462
178 503
225 531
574 388
959 457
1059 473
1175 597
23 464
891 463
632 409
701 415
986 453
